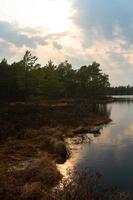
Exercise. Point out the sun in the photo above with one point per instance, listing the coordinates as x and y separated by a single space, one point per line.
54 15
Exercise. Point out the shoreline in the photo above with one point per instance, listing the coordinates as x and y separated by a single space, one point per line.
43 140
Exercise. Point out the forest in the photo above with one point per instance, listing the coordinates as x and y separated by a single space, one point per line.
121 90
28 80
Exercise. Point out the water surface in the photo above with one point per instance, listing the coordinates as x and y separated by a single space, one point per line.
111 152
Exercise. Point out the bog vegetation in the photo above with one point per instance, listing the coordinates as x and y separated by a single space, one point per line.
32 134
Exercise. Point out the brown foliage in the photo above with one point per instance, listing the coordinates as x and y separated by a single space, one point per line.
41 170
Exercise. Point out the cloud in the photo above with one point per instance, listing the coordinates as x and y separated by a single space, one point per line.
106 30
4 49
29 37
14 41
56 45
12 34
105 15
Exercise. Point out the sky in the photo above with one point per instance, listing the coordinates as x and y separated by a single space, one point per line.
80 31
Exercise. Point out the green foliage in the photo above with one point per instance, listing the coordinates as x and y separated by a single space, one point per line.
121 90
92 81
27 79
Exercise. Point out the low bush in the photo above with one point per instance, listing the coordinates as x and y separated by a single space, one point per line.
55 147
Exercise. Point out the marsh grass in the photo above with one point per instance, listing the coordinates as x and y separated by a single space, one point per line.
32 182
37 180
37 132
87 185
40 170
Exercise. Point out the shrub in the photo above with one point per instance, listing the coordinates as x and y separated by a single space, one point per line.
56 147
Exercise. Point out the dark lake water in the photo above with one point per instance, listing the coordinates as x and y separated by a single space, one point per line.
111 152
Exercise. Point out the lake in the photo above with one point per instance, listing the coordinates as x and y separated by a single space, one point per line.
111 152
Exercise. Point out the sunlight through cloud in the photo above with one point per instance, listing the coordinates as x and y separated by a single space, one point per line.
53 15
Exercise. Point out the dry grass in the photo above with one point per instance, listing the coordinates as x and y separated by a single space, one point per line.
34 185
55 147
41 170
30 130
33 182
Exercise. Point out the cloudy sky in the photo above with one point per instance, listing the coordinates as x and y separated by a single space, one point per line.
80 31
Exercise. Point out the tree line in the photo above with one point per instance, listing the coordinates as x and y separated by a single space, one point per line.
26 79
121 90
